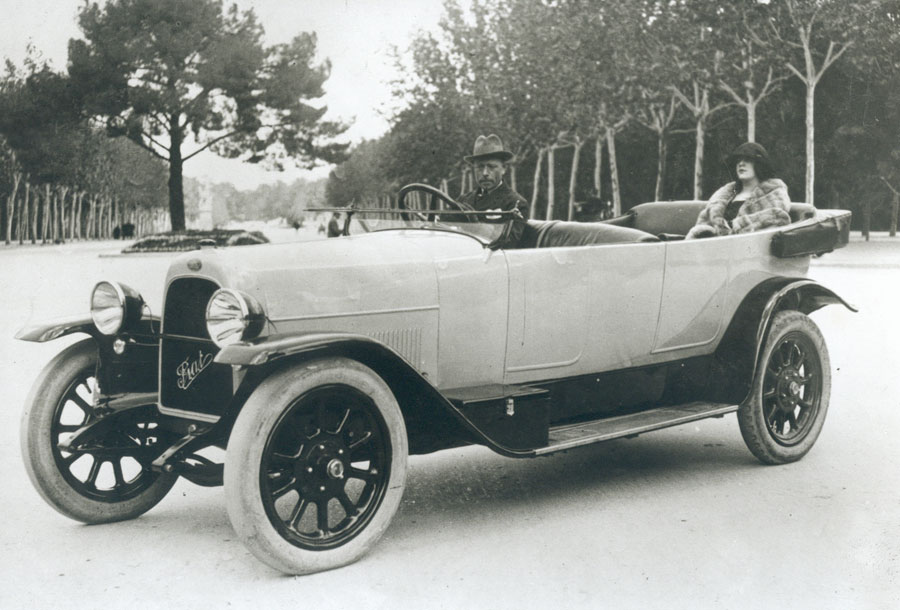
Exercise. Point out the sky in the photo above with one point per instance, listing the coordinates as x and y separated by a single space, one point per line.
355 35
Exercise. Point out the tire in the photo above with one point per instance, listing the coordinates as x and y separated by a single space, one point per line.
784 414
316 465
112 481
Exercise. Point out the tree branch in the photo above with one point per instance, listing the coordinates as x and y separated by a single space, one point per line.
140 142
796 72
830 59
210 143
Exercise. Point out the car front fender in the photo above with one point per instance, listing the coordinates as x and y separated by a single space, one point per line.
54 329
433 421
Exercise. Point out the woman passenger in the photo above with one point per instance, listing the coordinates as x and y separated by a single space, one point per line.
755 200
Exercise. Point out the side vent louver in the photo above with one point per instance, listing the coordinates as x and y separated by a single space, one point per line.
405 341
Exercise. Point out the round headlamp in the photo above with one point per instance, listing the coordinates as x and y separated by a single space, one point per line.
115 306
233 316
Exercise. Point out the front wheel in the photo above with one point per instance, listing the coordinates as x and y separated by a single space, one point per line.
784 414
109 479
316 465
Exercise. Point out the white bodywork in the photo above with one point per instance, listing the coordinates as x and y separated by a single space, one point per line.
464 315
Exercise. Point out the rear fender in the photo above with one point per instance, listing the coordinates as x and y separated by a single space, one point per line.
737 359
432 421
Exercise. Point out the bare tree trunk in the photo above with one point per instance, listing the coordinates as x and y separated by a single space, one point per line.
10 214
662 149
895 208
536 183
751 122
92 218
810 143
73 214
867 217
551 183
598 165
34 211
23 221
573 177
699 148
63 192
78 219
11 205
45 224
614 171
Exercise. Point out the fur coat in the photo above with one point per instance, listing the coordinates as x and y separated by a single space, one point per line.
767 206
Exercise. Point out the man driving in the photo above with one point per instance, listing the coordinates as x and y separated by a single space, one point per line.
489 161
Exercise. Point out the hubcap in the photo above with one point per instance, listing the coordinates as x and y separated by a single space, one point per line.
336 469
792 388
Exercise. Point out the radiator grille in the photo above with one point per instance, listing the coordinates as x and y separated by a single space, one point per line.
189 380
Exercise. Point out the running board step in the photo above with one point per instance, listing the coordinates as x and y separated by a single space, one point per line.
586 433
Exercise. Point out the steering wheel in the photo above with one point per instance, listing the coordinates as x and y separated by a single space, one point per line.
435 194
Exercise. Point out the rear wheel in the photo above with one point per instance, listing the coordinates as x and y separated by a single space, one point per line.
109 479
784 415
316 466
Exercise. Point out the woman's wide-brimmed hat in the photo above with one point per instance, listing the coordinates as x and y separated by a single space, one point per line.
489 147
752 152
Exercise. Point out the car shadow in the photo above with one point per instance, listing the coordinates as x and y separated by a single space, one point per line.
474 483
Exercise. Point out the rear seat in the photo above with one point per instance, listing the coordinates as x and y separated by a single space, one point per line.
560 234
677 217
642 223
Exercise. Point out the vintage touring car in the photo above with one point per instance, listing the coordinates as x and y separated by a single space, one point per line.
321 366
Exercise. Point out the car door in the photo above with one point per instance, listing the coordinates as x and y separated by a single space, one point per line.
694 291
579 310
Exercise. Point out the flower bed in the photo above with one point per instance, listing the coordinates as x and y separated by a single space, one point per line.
178 241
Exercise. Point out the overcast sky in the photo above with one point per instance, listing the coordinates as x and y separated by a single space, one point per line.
356 35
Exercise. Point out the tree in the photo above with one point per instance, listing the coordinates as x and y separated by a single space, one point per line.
752 69
820 31
163 73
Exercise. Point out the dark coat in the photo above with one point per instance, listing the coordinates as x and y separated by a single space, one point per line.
501 198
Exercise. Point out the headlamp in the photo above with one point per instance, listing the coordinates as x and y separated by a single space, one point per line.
233 316
115 306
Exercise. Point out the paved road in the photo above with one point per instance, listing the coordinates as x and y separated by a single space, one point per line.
682 518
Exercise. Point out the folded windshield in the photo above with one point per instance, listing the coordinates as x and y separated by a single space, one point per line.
486 228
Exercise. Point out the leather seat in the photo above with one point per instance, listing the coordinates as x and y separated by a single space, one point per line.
561 234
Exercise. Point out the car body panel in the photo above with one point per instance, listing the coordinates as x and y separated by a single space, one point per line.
463 315
564 318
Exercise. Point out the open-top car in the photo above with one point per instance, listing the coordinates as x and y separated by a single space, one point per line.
321 366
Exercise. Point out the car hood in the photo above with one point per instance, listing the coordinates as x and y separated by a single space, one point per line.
386 270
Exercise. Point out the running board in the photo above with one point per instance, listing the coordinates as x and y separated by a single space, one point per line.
575 435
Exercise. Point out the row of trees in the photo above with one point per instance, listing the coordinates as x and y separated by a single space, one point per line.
648 95
166 81
61 178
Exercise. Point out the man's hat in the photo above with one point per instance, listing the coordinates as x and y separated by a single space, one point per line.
488 147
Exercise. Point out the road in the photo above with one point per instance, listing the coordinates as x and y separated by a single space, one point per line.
681 518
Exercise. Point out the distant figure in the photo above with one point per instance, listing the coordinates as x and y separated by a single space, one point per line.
334 225
296 224
117 232
128 231
593 209
755 200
